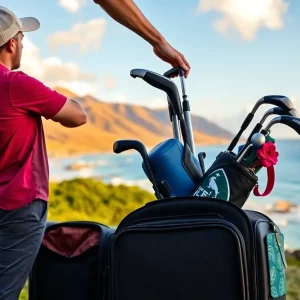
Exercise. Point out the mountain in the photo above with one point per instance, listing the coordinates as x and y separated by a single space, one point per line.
108 122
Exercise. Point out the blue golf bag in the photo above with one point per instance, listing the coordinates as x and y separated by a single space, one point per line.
176 169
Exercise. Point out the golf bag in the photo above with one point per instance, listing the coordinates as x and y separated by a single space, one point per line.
228 180
71 262
175 168
192 248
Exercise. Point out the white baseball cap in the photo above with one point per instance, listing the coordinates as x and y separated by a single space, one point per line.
10 25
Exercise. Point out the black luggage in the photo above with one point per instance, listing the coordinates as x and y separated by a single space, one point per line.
196 248
71 262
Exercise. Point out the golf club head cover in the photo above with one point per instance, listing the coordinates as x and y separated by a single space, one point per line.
228 180
176 170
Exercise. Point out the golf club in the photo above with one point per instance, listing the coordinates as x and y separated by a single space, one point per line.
272 111
163 83
257 140
290 121
124 145
185 104
174 121
277 100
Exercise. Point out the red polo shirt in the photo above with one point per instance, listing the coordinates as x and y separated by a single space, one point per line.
24 170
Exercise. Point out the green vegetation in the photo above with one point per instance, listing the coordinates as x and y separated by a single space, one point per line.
89 199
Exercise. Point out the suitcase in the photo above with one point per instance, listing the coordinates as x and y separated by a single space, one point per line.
196 248
71 262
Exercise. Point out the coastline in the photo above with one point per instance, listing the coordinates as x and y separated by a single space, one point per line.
54 154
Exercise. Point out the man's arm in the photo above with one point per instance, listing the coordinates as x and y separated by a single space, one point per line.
71 115
30 95
128 14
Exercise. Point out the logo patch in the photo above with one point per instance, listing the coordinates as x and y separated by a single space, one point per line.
215 185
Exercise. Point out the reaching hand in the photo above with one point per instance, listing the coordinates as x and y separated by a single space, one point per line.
168 54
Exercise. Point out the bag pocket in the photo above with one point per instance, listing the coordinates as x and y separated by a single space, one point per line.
277 265
227 180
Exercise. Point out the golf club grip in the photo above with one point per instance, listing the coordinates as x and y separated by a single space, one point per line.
235 140
123 145
256 129
247 121
174 71
264 132
166 85
245 124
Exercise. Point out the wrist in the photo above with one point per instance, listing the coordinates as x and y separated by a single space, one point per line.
157 40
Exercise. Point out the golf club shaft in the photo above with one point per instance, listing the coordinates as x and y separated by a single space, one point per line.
242 154
175 126
174 120
185 104
120 146
186 110
245 124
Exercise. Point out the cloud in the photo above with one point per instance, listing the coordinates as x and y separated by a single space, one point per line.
87 36
246 16
52 71
158 103
110 82
72 6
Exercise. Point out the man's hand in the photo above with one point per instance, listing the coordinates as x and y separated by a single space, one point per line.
168 54
128 14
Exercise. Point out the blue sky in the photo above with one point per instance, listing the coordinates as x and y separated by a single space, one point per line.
231 70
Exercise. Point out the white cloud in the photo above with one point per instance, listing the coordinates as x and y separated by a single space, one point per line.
52 71
246 16
121 98
157 103
87 36
72 6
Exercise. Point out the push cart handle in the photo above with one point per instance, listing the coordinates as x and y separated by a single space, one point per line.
174 71
160 82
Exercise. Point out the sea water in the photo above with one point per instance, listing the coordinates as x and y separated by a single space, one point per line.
126 168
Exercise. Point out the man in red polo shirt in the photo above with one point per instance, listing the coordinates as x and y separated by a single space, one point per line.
24 172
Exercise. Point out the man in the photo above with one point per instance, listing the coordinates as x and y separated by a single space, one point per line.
24 169
127 13
24 172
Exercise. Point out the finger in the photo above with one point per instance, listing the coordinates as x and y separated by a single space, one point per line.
187 64
185 61
182 64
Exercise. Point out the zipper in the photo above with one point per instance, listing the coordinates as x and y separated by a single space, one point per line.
149 226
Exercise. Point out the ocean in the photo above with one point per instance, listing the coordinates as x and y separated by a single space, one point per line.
126 168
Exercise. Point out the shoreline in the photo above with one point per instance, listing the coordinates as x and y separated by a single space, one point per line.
56 154
61 155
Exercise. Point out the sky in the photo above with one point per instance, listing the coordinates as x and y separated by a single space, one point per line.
239 51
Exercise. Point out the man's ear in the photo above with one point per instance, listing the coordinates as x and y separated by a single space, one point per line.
10 45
